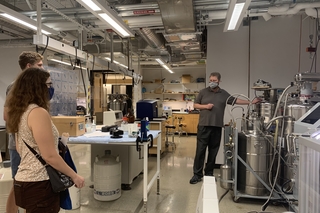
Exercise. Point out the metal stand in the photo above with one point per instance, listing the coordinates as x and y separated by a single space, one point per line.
236 193
169 133
180 130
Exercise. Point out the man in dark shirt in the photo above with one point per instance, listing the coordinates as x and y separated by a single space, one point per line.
212 102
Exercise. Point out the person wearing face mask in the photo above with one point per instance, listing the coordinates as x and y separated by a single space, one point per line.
29 119
211 102
27 59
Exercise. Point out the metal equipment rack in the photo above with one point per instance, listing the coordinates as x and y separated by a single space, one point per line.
233 132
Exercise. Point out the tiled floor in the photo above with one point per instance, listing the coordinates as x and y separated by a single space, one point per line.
176 194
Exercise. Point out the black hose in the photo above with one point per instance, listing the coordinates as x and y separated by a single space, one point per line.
283 185
224 194
281 200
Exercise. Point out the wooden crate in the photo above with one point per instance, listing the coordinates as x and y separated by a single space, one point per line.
74 125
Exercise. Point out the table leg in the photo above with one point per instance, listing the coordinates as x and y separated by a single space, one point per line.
158 163
145 207
145 175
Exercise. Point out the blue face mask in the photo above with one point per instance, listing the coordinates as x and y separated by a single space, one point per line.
213 85
51 92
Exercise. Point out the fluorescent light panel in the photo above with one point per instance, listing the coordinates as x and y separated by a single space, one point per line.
92 5
116 62
163 65
23 22
159 61
235 16
114 24
101 10
65 63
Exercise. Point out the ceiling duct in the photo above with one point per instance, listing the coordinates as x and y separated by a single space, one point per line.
153 39
177 16
124 2
177 58
103 48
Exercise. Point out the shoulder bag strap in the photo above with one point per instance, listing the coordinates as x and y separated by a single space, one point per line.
36 154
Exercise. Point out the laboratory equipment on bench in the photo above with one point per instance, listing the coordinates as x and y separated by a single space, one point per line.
149 108
144 136
112 117
116 133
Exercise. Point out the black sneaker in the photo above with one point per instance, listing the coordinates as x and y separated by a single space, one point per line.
195 179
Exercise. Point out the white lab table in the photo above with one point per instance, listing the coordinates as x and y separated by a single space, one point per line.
99 137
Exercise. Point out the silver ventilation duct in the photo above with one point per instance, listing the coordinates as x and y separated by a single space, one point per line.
153 39
177 16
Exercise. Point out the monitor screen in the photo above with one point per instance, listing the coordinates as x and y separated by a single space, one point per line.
313 117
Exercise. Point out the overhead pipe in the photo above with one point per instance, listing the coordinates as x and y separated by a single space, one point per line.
286 10
142 6
312 12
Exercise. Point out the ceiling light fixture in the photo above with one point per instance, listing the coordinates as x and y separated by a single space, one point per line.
116 62
159 61
235 14
65 63
24 20
23 23
102 11
117 27
163 65
92 5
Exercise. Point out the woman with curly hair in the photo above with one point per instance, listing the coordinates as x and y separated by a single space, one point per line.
29 119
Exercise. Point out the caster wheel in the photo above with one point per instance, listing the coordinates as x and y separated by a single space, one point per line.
236 199
125 187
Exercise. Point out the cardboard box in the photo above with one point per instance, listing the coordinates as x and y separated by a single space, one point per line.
74 125
157 81
186 79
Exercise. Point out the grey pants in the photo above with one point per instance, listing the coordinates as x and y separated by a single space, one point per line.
207 136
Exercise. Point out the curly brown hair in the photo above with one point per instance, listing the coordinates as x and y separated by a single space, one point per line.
29 88
29 57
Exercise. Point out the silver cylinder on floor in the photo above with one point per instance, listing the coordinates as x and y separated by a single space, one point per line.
225 172
255 149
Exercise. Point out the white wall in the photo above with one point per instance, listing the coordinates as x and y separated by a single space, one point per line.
273 55
9 71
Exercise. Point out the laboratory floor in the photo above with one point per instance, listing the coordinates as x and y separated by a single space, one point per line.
176 194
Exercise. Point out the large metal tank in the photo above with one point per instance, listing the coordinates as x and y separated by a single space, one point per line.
254 147
294 110
265 110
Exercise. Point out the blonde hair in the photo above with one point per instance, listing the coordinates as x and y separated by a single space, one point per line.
29 57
